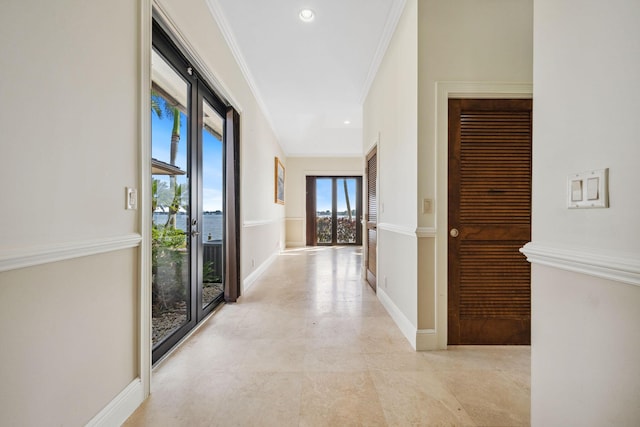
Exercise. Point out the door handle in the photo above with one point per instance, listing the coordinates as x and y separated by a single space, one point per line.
454 232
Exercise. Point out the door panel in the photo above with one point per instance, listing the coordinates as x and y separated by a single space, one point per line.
334 208
489 221
372 217
171 174
211 239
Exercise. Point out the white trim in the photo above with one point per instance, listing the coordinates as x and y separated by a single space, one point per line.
227 33
406 327
251 278
36 255
387 34
145 219
426 232
218 85
295 244
259 223
321 155
398 229
444 91
598 264
427 340
294 218
421 232
121 407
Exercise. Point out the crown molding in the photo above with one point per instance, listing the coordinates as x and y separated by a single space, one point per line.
227 33
387 34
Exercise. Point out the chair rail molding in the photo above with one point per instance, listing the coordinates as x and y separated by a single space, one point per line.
616 267
12 259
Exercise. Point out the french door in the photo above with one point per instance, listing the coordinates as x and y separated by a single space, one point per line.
334 210
191 223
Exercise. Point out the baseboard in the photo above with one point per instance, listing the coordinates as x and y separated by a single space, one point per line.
427 340
406 327
251 278
121 407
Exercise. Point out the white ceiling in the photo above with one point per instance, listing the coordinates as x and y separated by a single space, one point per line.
310 77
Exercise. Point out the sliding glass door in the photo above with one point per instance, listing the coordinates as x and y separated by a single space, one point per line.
190 255
334 210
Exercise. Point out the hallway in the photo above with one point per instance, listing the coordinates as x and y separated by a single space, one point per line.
309 344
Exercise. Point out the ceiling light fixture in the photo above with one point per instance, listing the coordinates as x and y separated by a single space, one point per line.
307 15
347 122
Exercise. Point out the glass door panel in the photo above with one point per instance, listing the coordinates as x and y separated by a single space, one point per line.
324 210
212 236
346 210
170 201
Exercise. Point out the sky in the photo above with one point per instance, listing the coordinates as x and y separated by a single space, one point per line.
324 194
211 153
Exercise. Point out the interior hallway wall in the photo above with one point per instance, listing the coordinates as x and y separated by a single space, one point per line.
69 147
585 340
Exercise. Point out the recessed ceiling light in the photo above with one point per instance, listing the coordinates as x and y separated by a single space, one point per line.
347 122
307 15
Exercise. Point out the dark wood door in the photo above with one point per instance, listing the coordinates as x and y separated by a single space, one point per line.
372 216
489 220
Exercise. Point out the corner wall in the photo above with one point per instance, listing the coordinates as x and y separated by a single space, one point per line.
586 268
391 121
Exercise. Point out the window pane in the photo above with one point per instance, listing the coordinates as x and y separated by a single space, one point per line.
323 210
346 210
212 205
170 200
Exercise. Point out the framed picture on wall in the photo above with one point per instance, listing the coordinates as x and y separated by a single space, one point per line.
279 182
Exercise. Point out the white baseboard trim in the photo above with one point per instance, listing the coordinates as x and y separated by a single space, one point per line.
427 340
406 327
251 278
295 244
121 407
36 255
619 268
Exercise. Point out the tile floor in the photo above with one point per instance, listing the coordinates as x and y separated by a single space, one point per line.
309 344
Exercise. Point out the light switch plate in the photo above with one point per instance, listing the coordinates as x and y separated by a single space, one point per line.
131 198
588 189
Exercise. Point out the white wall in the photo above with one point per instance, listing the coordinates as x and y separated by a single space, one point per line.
69 146
298 168
585 348
391 120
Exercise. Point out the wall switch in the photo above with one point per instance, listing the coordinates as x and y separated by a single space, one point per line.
131 198
427 206
588 189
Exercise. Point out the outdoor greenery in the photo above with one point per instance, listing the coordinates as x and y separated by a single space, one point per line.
346 231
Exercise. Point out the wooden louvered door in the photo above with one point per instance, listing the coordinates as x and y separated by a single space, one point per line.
489 220
372 216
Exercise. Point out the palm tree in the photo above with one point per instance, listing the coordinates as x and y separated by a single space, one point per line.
161 106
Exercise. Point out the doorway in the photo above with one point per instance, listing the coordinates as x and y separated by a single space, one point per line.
489 219
192 174
371 172
334 210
